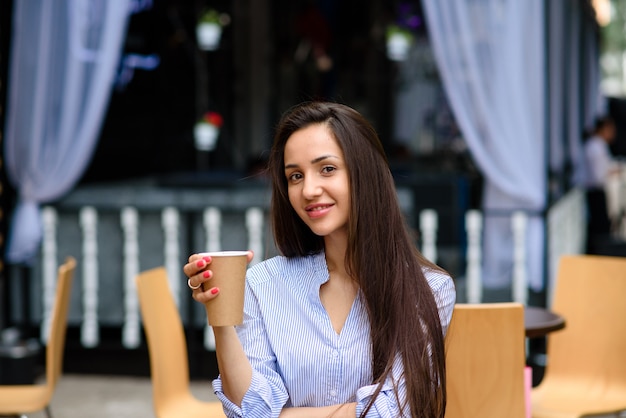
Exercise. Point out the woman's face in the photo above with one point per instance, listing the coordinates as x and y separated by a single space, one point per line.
317 180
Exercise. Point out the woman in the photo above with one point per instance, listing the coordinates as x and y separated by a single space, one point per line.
350 319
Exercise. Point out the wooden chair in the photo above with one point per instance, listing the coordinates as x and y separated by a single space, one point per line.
169 363
22 399
485 360
586 361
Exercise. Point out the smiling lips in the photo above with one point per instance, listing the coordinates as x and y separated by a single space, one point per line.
318 210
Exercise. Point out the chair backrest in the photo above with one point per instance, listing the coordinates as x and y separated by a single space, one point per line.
485 360
589 293
165 335
58 322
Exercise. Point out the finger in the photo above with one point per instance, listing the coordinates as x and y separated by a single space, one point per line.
198 264
190 269
197 280
250 255
192 286
203 296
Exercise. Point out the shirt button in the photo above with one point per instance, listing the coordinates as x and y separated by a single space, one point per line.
333 393
335 354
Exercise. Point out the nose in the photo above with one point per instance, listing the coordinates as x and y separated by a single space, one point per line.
311 187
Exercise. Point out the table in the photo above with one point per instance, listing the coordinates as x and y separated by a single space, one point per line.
538 323
541 321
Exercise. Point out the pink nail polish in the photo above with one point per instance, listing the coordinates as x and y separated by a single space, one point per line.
200 263
206 274
214 290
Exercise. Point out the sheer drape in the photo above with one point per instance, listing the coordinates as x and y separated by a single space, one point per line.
491 56
575 119
558 76
64 55
575 96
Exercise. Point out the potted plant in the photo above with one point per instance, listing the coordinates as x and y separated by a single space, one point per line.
206 131
209 29
399 40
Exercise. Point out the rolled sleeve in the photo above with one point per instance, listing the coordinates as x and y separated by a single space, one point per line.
261 400
386 403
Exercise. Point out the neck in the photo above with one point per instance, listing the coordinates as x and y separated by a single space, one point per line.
335 250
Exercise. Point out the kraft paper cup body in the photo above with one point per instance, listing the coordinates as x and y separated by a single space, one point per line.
229 275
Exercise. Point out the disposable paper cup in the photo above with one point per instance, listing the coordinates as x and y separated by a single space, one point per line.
229 275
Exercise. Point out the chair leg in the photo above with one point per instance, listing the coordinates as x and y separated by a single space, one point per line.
48 412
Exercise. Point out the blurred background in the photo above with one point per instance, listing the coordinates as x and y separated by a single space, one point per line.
146 174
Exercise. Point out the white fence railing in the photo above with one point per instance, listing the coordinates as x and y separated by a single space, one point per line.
564 227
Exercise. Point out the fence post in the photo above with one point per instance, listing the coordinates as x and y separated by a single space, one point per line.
519 222
428 228
213 226
49 255
473 226
130 227
89 331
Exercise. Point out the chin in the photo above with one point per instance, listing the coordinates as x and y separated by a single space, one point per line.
319 231
325 232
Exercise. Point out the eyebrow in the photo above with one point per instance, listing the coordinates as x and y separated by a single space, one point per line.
313 161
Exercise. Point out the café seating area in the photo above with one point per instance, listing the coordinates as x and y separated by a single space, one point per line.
486 345
586 370
585 374
544 323
26 398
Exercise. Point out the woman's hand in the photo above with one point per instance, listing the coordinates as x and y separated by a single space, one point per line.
198 274
234 367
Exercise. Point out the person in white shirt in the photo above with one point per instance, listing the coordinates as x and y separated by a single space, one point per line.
600 165
350 319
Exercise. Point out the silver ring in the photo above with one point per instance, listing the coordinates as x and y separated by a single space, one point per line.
191 287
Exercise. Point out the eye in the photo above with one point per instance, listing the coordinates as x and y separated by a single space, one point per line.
328 169
294 177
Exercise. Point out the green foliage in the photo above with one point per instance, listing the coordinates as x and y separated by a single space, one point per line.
613 48
210 16
398 30
613 36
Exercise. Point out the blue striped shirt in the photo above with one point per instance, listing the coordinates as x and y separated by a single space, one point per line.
297 357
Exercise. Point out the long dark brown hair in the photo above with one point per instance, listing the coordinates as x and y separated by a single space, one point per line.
403 315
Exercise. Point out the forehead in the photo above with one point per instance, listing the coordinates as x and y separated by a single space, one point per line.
310 142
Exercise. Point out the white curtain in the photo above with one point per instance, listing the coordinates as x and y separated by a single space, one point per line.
584 99
595 102
575 118
64 57
558 82
491 56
